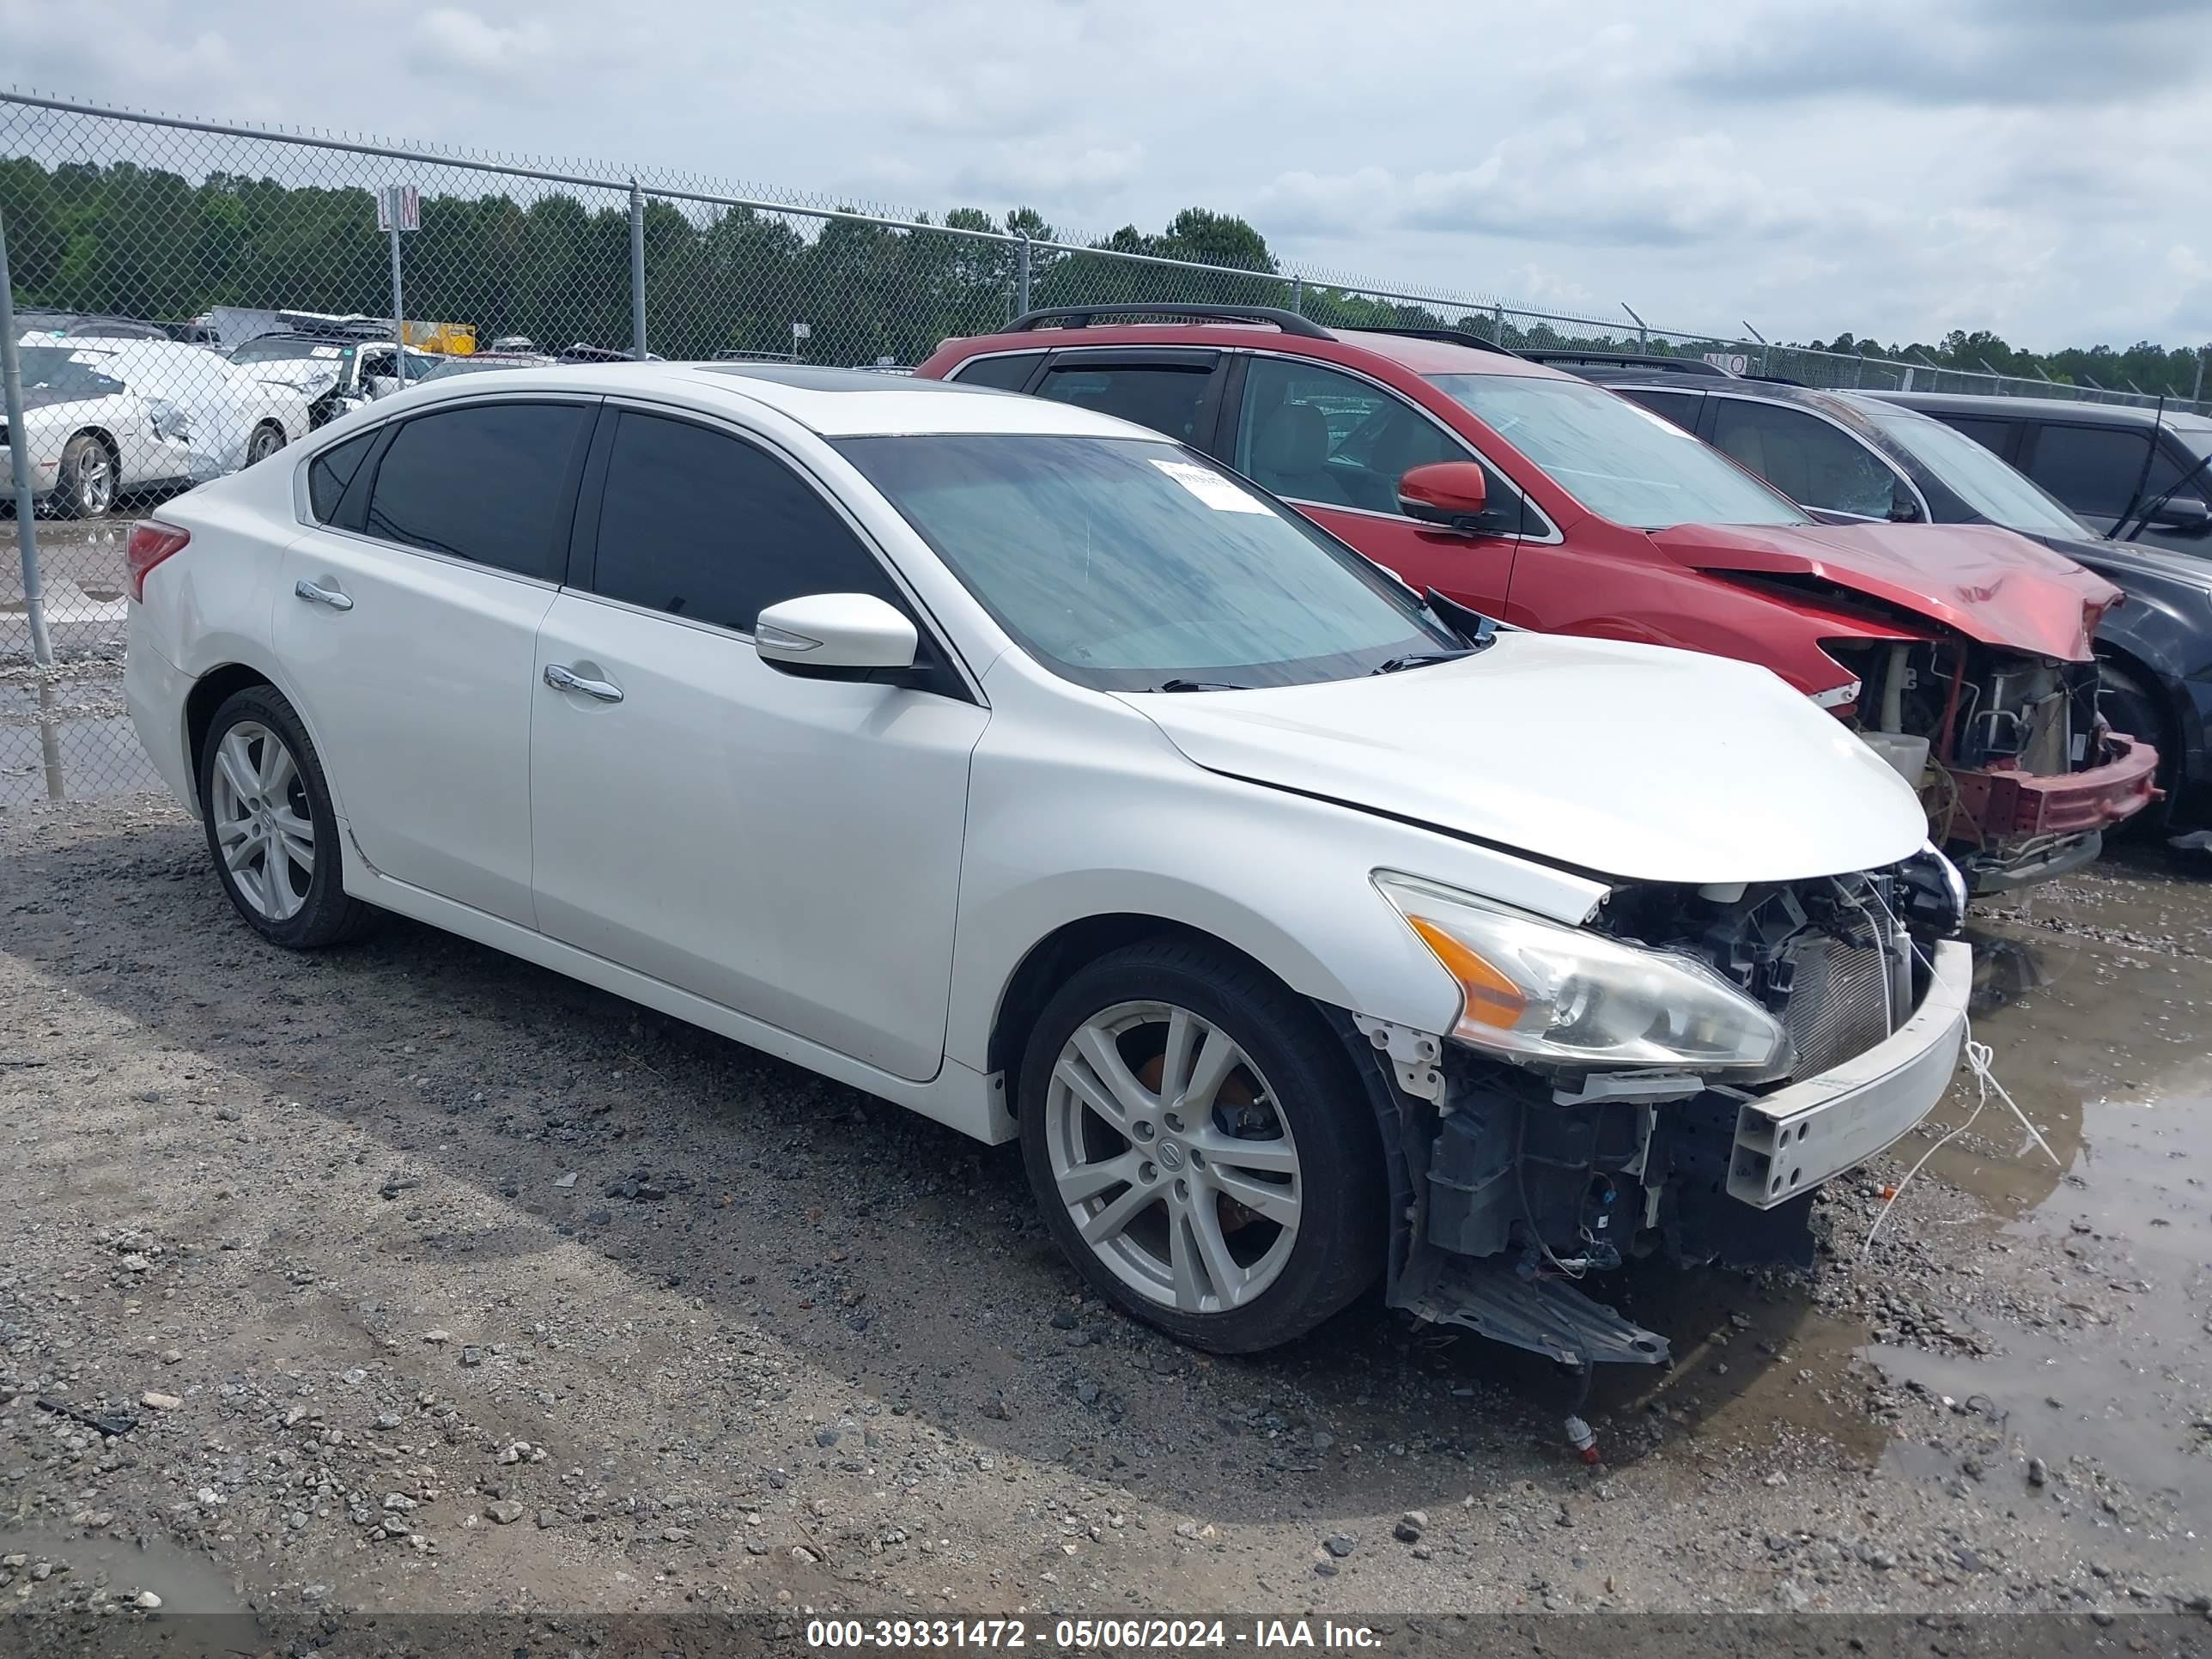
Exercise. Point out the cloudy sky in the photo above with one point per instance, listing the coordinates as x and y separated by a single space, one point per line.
1896 167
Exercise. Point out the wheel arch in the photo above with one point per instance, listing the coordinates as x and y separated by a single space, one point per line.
1059 955
234 674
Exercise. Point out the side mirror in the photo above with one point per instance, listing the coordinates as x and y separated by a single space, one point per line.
1450 493
834 636
382 385
2187 514
1902 509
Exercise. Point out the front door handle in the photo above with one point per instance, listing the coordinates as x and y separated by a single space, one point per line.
314 595
563 679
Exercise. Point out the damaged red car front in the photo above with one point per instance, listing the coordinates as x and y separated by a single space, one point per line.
1972 674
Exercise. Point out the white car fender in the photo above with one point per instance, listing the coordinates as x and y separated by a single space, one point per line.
1064 826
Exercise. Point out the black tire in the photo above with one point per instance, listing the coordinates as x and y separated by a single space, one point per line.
1337 1249
78 491
2130 707
268 438
325 915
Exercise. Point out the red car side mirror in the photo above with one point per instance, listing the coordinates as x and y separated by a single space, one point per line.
1450 493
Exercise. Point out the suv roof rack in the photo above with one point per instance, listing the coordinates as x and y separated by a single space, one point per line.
1080 317
1636 360
1459 336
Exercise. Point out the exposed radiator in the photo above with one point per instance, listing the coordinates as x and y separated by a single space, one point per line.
1839 1003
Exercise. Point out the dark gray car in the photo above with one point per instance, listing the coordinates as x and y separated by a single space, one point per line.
1853 455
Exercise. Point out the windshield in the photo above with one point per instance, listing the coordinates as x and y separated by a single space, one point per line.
1972 473
271 349
1131 565
62 369
1619 460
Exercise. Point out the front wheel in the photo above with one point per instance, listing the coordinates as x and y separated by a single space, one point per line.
267 440
271 825
1201 1147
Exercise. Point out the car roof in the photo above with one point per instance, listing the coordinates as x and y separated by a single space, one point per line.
2077 409
834 402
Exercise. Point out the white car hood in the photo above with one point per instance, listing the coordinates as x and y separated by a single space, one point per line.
1629 760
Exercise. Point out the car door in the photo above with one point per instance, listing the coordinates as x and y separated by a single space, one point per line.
407 622
786 847
1335 444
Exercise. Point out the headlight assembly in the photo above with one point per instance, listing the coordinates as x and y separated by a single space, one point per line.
1532 990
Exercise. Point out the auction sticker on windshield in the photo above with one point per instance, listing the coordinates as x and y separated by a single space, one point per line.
1220 494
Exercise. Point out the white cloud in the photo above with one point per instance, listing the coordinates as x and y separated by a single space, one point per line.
449 38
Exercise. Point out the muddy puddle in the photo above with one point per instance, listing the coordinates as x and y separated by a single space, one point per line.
2102 1367
201 1611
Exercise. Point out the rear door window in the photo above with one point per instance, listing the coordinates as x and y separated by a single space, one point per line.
1169 397
487 482
701 525
1814 462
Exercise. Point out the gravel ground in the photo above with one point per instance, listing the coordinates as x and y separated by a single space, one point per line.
435 1281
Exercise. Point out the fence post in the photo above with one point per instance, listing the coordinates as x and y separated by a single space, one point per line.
1643 333
27 524
1298 298
636 272
2196 396
398 309
1022 279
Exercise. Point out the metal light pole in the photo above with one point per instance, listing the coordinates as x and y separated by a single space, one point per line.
27 527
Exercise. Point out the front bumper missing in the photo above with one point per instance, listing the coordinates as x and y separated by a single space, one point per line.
1793 1139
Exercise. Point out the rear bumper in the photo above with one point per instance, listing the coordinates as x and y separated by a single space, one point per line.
1789 1142
154 689
2006 804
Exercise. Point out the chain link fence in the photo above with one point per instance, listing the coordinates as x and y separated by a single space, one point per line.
190 296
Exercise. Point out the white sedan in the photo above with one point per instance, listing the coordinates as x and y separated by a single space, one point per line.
1012 764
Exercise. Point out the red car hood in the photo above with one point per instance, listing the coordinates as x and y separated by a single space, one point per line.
1988 584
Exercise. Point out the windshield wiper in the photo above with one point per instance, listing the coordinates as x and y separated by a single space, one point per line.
1199 685
1417 660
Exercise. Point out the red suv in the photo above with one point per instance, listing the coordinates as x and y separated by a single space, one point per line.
1961 652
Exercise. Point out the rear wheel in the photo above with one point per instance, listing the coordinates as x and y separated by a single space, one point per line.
270 826
1201 1148
268 438
85 482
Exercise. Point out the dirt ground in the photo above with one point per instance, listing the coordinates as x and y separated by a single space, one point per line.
433 1281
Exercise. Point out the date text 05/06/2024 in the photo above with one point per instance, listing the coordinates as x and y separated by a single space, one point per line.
1077 1635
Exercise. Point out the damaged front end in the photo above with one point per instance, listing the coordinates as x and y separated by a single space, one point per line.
2020 774
1518 1175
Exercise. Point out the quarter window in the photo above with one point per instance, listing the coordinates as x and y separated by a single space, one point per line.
1010 372
330 472
1313 434
2094 468
484 484
1679 407
1811 462
700 525
1165 398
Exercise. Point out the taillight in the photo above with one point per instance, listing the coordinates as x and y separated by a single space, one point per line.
151 542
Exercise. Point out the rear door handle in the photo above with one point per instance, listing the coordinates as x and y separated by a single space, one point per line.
564 679
313 595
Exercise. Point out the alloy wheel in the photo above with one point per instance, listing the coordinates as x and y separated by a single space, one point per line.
95 481
1176 1162
263 826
